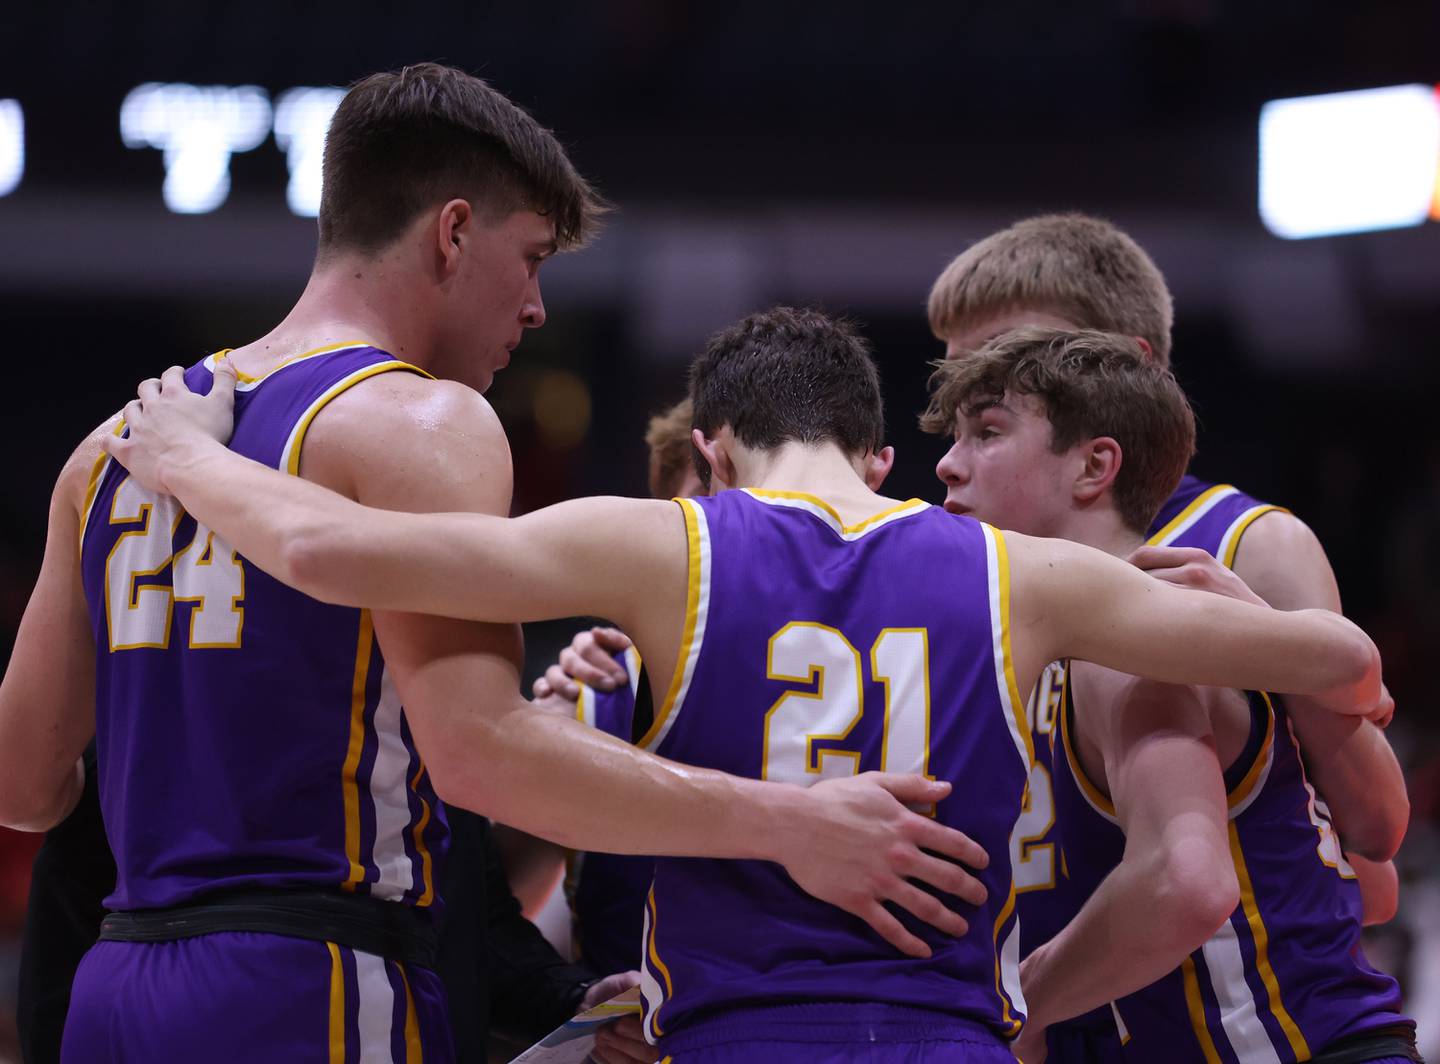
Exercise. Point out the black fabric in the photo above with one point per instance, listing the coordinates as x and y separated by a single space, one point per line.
358 921
644 707
487 942
494 963
1383 1043
73 872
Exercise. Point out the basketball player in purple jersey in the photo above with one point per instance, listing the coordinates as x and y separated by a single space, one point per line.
790 636
1071 271
1222 917
275 815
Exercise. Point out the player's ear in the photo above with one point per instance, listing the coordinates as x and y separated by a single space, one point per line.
877 467
452 228
1146 347
1103 458
717 456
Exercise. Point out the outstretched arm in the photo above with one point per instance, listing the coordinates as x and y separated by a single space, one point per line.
1070 601
1176 882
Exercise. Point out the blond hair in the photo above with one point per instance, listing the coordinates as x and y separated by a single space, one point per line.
668 437
1091 384
1082 268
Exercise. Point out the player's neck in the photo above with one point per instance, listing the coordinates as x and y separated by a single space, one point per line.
822 470
1102 529
344 301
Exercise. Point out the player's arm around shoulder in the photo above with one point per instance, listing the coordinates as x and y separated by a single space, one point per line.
1350 761
1068 600
47 699
398 442
1154 749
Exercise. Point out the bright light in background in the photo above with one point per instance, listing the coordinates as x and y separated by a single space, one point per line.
12 145
198 128
302 118
1348 162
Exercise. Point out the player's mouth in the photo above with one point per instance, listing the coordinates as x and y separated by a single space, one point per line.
953 507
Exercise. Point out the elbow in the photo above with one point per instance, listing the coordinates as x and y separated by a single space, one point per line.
1378 836
1355 660
308 561
1194 897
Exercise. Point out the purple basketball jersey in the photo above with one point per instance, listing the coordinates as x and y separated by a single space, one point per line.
249 736
607 898
814 650
1285 976
1212 517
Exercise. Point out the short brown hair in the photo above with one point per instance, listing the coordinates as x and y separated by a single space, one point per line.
1091 384
401 142
671 452
786 375
1080 267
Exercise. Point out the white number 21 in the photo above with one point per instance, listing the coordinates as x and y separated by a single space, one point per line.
814 654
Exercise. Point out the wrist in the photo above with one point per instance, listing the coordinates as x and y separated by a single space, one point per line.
778 821
184 461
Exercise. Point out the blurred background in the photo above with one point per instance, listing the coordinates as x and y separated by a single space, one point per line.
764 152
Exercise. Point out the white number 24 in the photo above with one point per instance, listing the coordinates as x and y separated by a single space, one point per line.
207 572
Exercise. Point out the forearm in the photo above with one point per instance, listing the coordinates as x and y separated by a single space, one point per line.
598 793
1352 766
1127 935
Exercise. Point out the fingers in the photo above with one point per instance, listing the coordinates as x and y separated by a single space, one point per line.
943 875
931 835
891 929
173 380
580 668
610 640
117 447
133 414
226 376
148 391
541 689
623 1042
929 908
559 682
1166 557
910 789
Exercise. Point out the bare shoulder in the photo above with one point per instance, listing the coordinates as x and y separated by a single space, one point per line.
1284 563
402 441
83 465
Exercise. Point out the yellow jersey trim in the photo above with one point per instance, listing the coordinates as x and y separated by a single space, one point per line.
1235 531
297 435
349 774
337 1006
1097 798
427 895
660 967
1012 1023
97 470
246 378
692 614
414 1053
1017 704
832 517
1201 502
1262 950
1196 1007
1260 769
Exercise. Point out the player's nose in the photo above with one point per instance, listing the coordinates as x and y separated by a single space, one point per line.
532 314
950 469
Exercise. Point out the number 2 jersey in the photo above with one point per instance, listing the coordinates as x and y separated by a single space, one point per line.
249 736
815 650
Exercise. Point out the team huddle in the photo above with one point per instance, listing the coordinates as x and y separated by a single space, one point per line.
1082 766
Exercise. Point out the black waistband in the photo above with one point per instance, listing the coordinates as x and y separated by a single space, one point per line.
359 921
1381 1043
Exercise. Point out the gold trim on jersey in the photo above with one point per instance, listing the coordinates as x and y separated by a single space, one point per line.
349 781
1012 689
1193 512
654 954
251 381
1012 1022
1097 798
290 456
820 508
1230 543
97 470
696 604
1262 949
427 895
337 1006
414 1053
1239 799
1196 1006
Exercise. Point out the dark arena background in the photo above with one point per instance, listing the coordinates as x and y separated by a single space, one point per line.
834 155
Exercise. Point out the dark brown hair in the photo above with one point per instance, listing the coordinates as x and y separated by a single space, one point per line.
1091 384
671 452
787 375
1081 268
405 141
